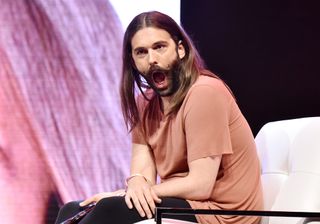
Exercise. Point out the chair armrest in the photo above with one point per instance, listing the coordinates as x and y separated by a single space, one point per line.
160 211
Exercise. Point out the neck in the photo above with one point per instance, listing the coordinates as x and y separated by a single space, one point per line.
165 103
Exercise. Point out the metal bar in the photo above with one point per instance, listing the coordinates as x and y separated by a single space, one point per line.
160 211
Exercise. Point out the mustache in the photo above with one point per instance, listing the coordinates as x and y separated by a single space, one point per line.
156 68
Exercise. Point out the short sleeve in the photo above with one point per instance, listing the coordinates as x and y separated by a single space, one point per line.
206 120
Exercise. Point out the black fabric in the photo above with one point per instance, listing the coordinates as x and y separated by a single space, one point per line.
114 210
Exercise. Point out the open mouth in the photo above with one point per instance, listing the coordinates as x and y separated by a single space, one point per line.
158 77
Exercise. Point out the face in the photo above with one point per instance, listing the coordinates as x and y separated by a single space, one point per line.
157 58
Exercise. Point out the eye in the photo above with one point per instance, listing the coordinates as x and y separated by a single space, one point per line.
160 47
140 52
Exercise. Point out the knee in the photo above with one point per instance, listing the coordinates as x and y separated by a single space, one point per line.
70 206
111 204
68 210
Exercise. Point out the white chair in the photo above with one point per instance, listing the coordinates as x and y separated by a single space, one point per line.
289 152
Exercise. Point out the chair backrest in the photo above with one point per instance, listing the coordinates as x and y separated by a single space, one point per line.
289 151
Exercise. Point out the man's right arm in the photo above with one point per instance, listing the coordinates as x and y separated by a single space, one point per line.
142 162
139 192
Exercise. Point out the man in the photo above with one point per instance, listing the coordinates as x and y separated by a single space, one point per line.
186 128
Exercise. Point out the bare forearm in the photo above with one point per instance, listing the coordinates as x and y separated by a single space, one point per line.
142 162
147 171
197 185
185 188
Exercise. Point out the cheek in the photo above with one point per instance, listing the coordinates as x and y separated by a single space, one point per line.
173 56
140 66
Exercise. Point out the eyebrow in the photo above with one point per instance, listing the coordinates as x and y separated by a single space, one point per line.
160 42
163 42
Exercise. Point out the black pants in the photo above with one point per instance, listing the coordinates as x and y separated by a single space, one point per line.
114 210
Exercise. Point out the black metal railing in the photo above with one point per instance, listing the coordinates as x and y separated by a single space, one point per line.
160 211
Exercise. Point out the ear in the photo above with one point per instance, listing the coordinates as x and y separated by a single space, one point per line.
181 50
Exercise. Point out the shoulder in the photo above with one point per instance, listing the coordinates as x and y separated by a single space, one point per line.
209 87
208 96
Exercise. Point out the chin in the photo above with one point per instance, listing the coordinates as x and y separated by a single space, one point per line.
165 92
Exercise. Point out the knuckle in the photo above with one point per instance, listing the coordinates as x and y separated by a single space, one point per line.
149 200
135 201
144 204
146 188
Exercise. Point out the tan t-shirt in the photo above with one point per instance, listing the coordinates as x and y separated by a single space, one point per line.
209 123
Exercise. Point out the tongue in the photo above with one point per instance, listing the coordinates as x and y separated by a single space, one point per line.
159 77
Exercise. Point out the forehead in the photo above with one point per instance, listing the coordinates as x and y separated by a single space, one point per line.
148 36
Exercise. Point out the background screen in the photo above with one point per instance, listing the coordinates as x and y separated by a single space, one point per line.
62 135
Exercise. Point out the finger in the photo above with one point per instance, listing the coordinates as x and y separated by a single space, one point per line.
151 204
144 200
155 197
120 193
88 201
128 201
137 205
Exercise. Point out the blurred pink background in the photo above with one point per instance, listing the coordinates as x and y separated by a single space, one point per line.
61 128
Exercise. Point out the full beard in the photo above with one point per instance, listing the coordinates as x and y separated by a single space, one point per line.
165 82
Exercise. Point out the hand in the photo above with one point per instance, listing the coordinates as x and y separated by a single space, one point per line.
142 195
97 197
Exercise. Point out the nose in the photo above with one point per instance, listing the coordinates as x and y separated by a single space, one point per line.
152 57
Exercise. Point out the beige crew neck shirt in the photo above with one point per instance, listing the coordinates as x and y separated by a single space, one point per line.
209 123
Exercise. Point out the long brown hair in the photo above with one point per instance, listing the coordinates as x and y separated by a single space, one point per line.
191 67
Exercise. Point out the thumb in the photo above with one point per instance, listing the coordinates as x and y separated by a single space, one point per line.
155 197
87 201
